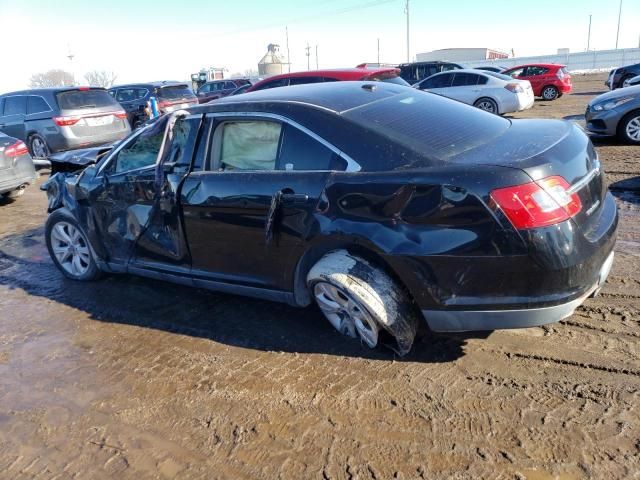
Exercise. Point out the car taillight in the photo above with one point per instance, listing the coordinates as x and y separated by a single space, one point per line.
64 121
16 149
514 88
121 114
538 204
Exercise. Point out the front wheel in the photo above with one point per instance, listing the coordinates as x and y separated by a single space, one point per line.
629 128
487 104
362 301
550 93
69 247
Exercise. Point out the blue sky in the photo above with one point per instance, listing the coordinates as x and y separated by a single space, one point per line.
147 40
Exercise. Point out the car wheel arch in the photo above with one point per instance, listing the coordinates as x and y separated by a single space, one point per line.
313 254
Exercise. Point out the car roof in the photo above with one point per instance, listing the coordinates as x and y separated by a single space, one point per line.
164 83
41 91
341 73
545 65
335 97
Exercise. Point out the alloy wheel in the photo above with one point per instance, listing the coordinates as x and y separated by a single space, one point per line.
487 106
549 93
633 129
39 148
70 248
345 313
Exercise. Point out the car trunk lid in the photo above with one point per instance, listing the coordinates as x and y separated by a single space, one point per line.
559 148
89 111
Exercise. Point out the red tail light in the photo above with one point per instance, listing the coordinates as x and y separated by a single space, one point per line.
17 149
514 87
121 114
538 204
64 121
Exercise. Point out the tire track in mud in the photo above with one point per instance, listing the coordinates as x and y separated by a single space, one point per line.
573 363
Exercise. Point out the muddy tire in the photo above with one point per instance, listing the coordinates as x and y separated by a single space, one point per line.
550 93
361 301
629 128
69 248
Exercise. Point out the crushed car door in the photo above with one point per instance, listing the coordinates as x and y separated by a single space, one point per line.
249 210
122 202
162 244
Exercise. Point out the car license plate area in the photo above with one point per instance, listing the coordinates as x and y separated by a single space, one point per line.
99 121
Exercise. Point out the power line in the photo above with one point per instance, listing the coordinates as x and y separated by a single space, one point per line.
353 8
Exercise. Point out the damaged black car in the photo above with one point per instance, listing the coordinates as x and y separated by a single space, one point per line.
382 204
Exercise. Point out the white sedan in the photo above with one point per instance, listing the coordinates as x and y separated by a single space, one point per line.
490 91
631 82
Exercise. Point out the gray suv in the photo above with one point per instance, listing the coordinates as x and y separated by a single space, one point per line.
616 113
51 120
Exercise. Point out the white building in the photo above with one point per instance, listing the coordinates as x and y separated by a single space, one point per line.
461 55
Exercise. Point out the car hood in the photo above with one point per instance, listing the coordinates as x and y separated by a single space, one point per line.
81 157
615 94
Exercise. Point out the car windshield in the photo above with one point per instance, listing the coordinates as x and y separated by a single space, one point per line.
497 75
175 92
429 124
77 99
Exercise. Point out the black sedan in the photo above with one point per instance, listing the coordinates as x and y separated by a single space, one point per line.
380 203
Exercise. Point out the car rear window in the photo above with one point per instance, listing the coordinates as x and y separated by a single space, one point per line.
429 124
175 92
79 99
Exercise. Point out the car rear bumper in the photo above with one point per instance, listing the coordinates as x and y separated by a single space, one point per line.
468 320
565 88
12 183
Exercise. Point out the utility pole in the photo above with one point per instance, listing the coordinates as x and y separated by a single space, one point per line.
71 56
378 52
317 68
589 34
286 29
308 54
406 10
619 15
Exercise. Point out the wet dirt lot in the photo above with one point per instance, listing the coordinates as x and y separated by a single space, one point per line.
133 378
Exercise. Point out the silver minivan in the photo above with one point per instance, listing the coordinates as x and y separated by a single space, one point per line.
52 120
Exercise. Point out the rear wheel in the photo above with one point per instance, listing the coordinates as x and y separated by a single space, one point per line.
486 104
18 192
362 301
629 128
69 247
38 147
550 92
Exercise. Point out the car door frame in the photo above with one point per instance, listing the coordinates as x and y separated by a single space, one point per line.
218 280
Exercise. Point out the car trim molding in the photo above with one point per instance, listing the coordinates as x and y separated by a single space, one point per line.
352 165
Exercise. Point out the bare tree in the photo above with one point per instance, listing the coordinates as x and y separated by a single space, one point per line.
101 78
52 78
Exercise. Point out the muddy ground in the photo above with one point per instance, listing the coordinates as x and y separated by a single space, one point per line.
133 378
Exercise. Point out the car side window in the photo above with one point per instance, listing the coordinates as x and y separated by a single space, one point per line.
1 106
245 145
464 79
183 138
282 82
438 81
518 72
482 80
532 71
141 93
15 105
229 86
112 93
299 151
141 152
36 104
304 80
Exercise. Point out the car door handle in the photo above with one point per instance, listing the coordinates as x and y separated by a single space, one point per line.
294 198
